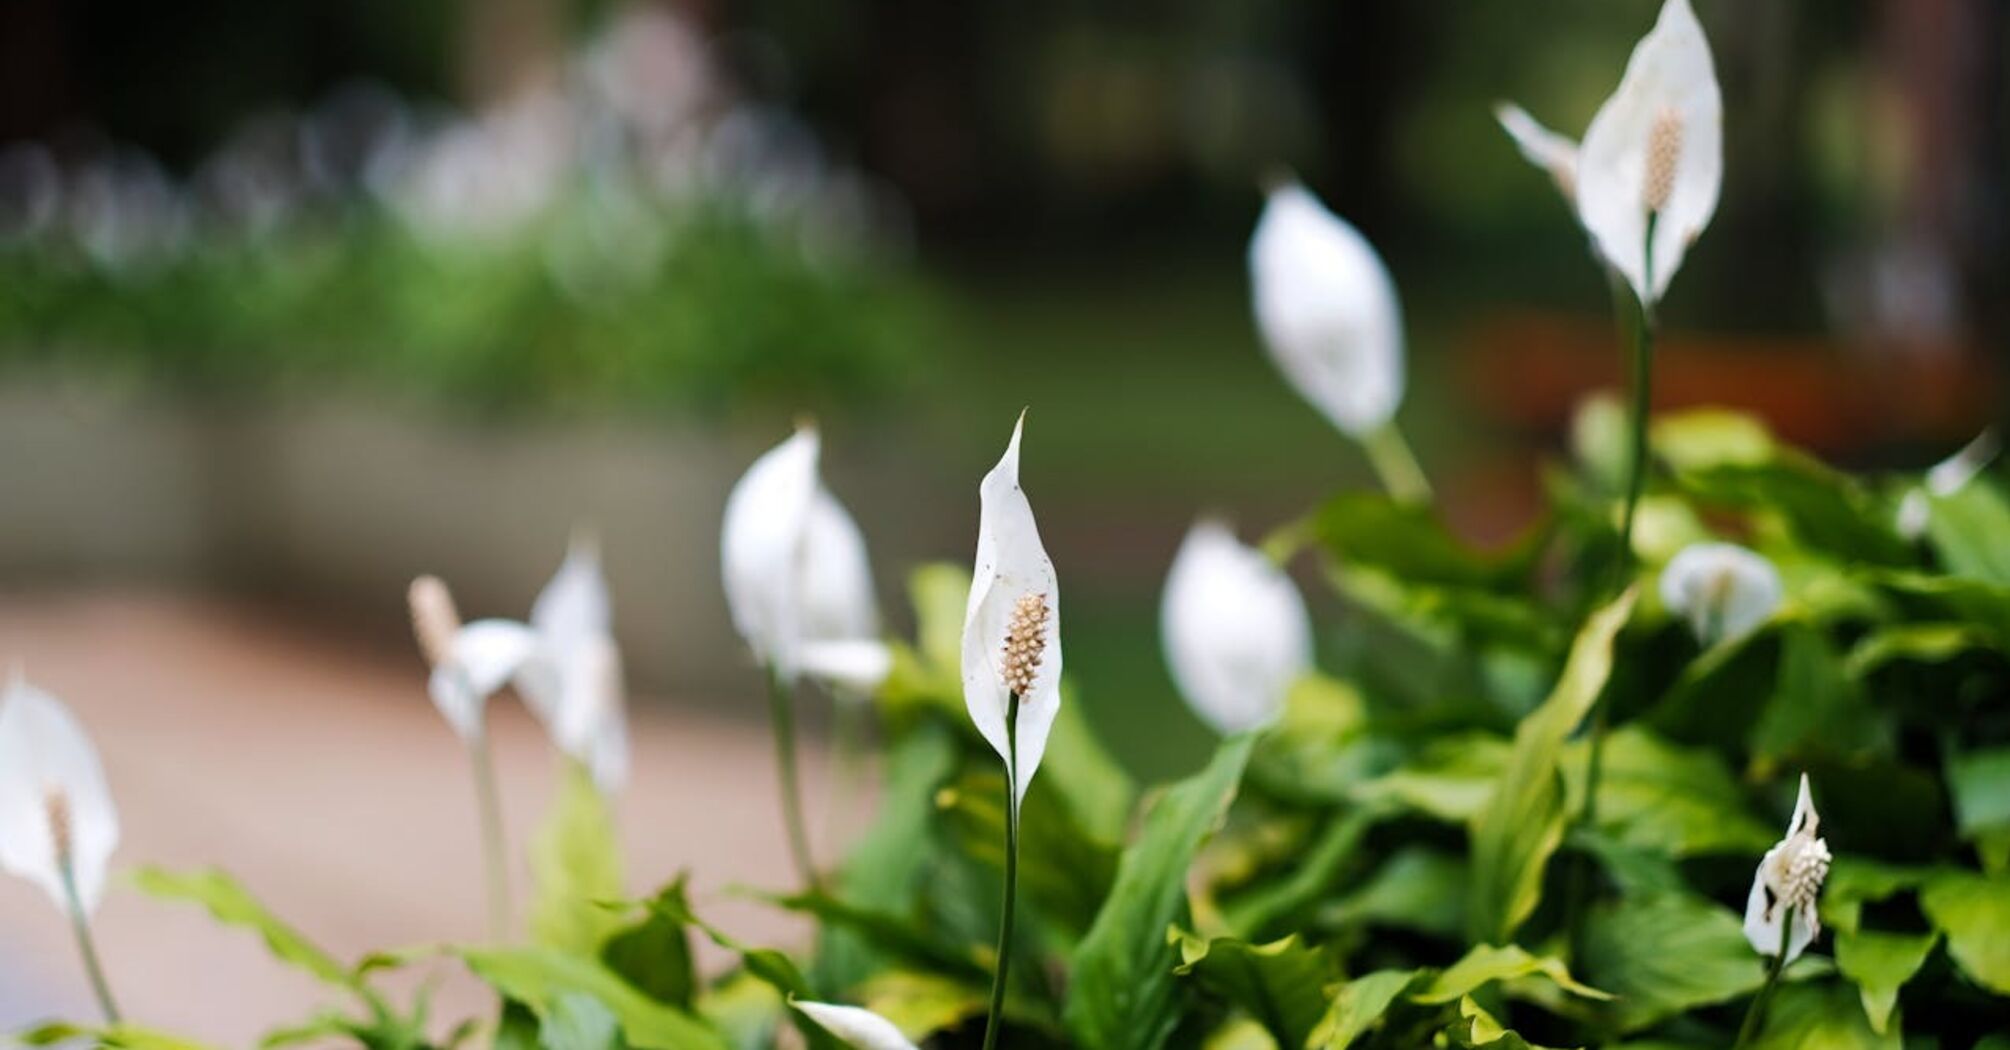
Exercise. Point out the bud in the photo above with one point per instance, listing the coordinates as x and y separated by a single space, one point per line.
435 621
1664 152
1025 642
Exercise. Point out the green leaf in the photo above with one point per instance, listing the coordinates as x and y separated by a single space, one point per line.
575 865
1825 510
1450 780
1702 438
1063 871
1855 881
1967 531
1880 964
1264 906
1488 963
1477 1028
1974 912
1096 790
541 977
1816 707
654 954
1281 984
1821 1016
1416 888
1122 989
1665 954
921 1004
1523 823
1979 781
1409 541
772 967
1359 1004
230 903
114 1037
580 1022
745 1009
1923 643
1655 796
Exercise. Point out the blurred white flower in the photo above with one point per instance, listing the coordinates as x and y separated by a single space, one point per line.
58 826
1789 877
1655 149
1723 590
796 573
1555 154
857 1026
574 684
470 662
1235 630
1944 479
1327 310
1012 624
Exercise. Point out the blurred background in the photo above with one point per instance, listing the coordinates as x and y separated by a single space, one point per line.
300 300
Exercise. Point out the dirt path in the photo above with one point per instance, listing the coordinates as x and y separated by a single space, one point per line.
316 772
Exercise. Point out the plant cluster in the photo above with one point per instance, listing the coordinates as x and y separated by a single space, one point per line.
1538 803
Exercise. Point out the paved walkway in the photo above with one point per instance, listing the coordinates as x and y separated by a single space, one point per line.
315 770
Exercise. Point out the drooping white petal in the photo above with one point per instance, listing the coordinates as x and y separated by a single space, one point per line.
1327 310
857 1026
761 549
1660 134
484 656
837 598
853 668
1011 564
49 771
575 686
1721 589
1555 154
1944 479
1789 878
1235 630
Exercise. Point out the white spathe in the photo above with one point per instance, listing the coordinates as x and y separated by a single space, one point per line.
483 657
1554 153
1722 590
1789 876
1235 630
1944 479
49 771
794 563
1327 310
855 1025
1011 564
574 681
1664 124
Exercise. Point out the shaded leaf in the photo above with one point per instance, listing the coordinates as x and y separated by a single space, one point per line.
1664 954
1281 984
1823 1016
1974 912
540 977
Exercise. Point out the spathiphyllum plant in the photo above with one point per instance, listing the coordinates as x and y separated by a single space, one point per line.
1514 797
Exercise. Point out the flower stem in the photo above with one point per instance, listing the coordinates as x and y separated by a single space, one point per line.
495 853
996 1021
783 709
1390 456
1756 1013
86 947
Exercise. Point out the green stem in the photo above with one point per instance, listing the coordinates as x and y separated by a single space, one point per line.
996 1021
1756 1013
1390 456
88 948
849 725
782 706
495 853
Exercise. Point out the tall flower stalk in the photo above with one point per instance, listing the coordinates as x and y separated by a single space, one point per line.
1011 658
1782 913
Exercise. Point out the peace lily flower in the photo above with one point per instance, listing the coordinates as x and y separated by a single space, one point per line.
857 1026
1235 630
1011 662
1721 589
1652 161
796 573
574 686
1555 154
58 826
1787 884
1327 310
1944 479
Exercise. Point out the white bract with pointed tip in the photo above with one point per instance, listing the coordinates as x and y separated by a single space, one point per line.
1789 878
1235 630
795 567
1944 479
1723 590
574 682
1012 570
1656 147
1555 154
55 808
482 657
855 1025
1327 310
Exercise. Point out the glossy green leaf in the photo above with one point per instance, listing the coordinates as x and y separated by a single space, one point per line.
1121 997
1416 888
1477 1028
1358 1005
575 863
1979 782
1523 822
1880 964
653 953
541 977
1487 963
1973 912
1656 796
1967 531
1281 984
1820 1016
1665 954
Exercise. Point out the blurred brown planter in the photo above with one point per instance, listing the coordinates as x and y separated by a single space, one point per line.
1530 370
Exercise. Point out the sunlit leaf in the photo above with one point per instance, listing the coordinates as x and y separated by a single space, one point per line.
1973 911
1880 964
575 864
